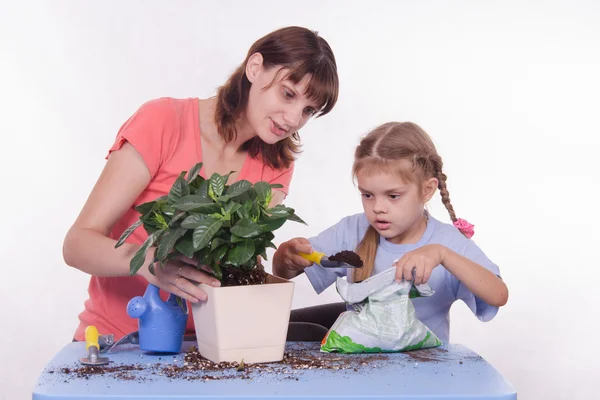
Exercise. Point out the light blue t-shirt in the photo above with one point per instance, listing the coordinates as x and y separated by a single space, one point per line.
433 311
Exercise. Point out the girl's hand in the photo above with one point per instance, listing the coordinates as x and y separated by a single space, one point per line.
287 258
422 261
178 276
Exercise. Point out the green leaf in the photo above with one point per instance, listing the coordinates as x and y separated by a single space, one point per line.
249 195
231 208
216 243
193 221
145 208
269 225
220 252
180 188
217 272
241 253
168 241
160 220
195 203
205 258
283 211
246 228
271 245
185 246
194 172
140 256
295 218
223 199
254 211
263 191
244 211
205 232
151 268
238 188
202 190
217 184
150 221
276 185
278 211
176 218
236 239
128 232
263 254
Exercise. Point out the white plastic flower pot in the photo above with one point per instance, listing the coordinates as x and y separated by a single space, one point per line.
247 323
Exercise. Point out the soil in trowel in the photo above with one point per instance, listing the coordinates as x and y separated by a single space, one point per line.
349 257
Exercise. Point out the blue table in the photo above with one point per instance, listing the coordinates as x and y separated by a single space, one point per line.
448 372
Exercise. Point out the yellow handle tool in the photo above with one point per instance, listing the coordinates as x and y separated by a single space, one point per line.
91 337
92 348
324 261
315 256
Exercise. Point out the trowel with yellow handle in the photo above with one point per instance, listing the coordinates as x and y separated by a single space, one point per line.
324 261
93 348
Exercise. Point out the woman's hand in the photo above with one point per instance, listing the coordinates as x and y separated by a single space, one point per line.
178 276
287 263
422 261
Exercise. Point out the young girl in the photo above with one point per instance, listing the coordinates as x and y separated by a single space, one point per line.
398 170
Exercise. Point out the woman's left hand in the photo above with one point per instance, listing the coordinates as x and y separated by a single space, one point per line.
422 260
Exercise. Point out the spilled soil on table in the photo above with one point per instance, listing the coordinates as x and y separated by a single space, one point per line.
196 367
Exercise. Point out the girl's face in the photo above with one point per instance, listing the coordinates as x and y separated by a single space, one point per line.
394 206
282 109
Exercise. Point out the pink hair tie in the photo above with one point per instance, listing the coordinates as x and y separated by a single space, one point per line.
464 227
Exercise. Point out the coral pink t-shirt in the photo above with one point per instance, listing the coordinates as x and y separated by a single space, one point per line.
166 132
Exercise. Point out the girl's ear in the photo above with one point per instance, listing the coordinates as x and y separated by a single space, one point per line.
429 188
254 66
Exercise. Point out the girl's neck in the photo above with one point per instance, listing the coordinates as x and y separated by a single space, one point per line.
413 234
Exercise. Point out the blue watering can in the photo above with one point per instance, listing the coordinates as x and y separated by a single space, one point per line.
161 323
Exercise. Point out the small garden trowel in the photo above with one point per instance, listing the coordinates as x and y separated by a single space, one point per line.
93 348
324 261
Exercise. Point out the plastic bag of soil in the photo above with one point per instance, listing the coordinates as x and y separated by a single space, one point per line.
383 319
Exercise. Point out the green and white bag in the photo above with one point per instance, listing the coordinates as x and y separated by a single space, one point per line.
384 319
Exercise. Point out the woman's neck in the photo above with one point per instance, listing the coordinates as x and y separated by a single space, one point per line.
209 131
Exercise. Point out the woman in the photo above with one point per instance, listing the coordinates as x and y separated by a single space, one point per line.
250 127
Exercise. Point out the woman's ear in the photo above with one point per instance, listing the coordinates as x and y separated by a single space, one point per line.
254 66
429 188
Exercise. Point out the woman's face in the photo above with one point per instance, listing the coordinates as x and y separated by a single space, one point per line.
282 109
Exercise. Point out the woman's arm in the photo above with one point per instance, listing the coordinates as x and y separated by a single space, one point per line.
87 245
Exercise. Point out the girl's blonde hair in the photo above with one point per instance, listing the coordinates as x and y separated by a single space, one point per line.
383 148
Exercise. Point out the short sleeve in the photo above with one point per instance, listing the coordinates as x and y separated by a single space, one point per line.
151 130
345 235
283 177
481 309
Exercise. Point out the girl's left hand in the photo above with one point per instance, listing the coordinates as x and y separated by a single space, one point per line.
422 260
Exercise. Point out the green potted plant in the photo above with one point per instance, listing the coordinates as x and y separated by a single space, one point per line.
226 228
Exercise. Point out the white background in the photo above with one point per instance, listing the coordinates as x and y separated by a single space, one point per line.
508 90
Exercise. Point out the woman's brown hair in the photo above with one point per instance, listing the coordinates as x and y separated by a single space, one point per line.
298 49
382 149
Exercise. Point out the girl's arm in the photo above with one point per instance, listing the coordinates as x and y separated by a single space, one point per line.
286 261
479 280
